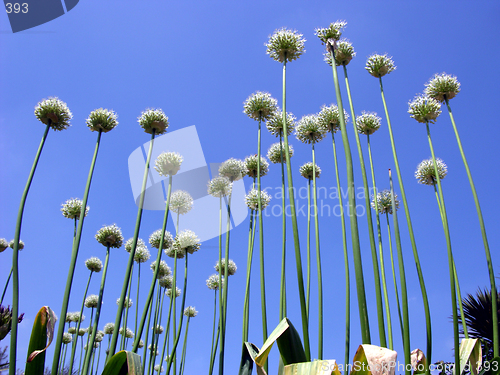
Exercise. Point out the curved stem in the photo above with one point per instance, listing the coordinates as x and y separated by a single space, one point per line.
358 267
6 285
494 307
376 270
412 237
74 255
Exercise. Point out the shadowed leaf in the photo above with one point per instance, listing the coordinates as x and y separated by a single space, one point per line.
123 363
43 329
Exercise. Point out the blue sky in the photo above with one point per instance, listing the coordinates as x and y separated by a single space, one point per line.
199 61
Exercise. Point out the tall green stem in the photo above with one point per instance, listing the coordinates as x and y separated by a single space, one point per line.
15 260
74 255
346 259
283 250
6 285
308 250
246 304
494 307
184 348
90 345
450 253
412 237
376 271
140 328
214 347
298 261
114 339
380 248
318 261
358 267
402 277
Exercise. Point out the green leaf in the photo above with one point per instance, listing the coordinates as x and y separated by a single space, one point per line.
123 363
371 360
320 367
495 366
418 362
246 364
470 352
43 330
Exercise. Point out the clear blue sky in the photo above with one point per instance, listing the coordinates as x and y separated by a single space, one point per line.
199 61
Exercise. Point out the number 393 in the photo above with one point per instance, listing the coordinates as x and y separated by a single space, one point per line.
16 7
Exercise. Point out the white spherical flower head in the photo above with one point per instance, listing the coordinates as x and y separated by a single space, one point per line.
221 268
142 254
102 120
384 202
158 329
260 106
71 330
155 239
69 317
308 169
67 338
129 334
77 317
274 152
153 349
252 163
328 118
99 336
275 124
128 302
174 251
190 312
442 86
164 269
158 368
213 281
368 123
141 344
220 187
54 112
233 169
168 163
82 331
187 241
91 301
181 202
109 328
379 65
110 236
153 119
308 130
168 292
3 244
424 109
166 282
344 53
285 45
72 208
93 264
332 33
130 242
20 246
252 199
425 173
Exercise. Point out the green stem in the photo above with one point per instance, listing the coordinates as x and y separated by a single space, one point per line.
494 307
226 266
402 278
214 348
148 308
283 252
127 308
376 270
261 248
74 255
15 260
78 324
157 269
308 250
246 305
90 345
221 301
449 250
394 278
346 259
6 285
137 296
298 261
184 348
358 267
412 238
318 262
380 248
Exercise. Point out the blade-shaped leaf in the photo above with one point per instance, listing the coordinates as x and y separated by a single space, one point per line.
320 367
418 362
374 360
470 352
43 330
246 364
123 363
